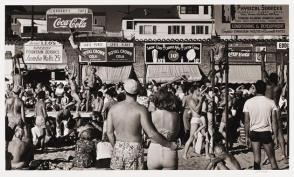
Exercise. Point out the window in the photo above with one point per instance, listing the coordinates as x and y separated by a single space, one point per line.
27 29
199 29
95 21
189 10
130 25
146 29
206 29
183 30
176 29
154 29
205 9
193 30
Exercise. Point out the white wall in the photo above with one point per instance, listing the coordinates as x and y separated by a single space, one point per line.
162 31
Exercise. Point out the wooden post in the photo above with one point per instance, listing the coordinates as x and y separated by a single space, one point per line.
262 65
212 79
288 103
227 92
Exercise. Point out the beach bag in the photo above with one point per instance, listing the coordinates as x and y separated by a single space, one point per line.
199 143
103 150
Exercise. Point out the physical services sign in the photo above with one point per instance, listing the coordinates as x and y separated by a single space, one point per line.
61 19
250 20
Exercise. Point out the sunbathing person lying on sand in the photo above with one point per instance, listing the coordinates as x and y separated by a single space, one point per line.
223 160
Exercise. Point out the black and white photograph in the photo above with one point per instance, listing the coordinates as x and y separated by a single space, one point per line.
146 87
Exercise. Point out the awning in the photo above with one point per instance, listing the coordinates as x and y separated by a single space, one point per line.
46 66
244 73
166 73
109 74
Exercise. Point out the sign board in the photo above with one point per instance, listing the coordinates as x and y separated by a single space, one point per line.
107 51
250 20
43 52
258 56
173 53
282 45
94 51
61 19
240 52
120 52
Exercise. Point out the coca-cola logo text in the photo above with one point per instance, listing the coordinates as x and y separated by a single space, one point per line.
73 23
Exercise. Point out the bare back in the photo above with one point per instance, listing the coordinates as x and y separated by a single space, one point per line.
126 119
39 108
167 123
13 108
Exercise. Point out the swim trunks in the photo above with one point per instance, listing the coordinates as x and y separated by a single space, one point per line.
127 156
40 122
195 120
264 137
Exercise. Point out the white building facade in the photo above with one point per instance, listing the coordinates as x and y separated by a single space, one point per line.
182 23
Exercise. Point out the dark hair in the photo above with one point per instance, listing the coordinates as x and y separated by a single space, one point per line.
260 87
99 94
165 100
273 78
142 92
41 95
121 97
111 92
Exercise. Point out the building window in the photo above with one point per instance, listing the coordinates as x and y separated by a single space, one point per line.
183 30
176 29
95 21
206 29
205 9
27 29
130 25
189 10
154 29
199 30
193 30
146 29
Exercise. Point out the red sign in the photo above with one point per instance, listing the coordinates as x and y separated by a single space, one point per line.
60 20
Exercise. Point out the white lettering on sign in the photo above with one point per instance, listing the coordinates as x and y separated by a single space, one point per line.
73 23
84 45
282 45
120 44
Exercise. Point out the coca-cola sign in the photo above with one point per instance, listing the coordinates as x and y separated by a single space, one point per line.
63 21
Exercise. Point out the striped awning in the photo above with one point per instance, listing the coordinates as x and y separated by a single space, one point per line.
244 73
109 74
166 73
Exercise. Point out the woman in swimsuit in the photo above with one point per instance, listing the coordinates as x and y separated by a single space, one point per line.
167 123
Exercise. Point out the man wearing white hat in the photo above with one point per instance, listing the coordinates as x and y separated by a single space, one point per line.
125 122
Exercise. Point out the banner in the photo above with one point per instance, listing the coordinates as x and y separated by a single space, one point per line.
43 52
120 52
61 19
173 53
250 20
94 51
240 52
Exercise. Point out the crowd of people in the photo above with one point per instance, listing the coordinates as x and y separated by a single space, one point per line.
128 118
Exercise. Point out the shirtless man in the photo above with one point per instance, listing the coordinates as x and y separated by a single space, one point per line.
223 160
92 82
195 107
186 113
74 88
125 122
15 113
20 150
62 116
39 132
274 91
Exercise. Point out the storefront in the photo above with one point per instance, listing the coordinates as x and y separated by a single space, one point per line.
112 60
167 61
45 61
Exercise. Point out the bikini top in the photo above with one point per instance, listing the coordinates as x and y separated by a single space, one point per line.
169 135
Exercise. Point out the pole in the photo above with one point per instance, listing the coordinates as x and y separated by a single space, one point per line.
32 24
288 103
262 65
212 76
227 93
